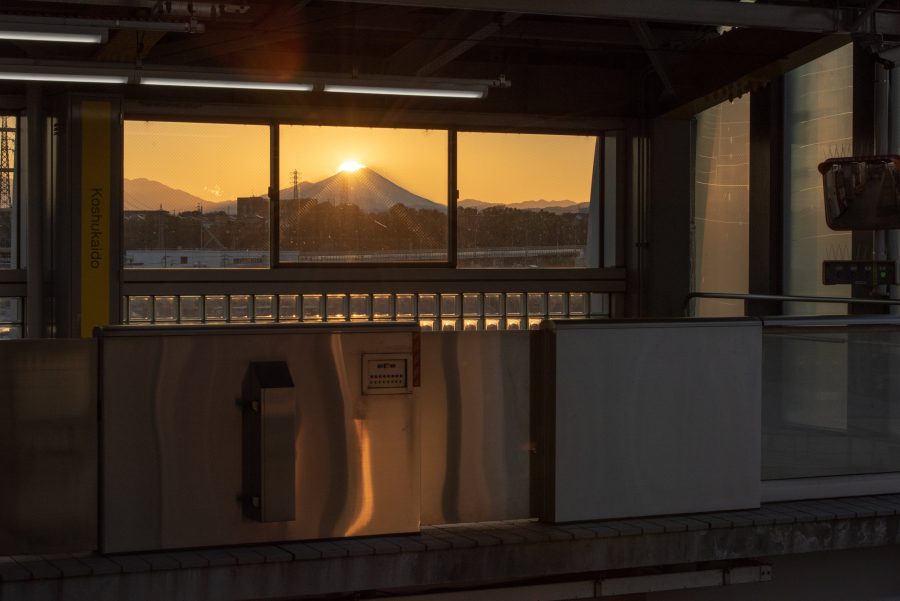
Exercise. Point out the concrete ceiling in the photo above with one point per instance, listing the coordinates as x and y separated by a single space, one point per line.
623 58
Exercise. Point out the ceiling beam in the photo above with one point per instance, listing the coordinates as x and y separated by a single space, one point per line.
699 12
650 47
454 35
463 46
182 8
409 57
587 33
128 46
273 29
867 14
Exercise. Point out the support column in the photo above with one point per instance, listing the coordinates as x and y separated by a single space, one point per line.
89 253
34 213
668 242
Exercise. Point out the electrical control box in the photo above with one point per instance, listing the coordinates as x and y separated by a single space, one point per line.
860 273
386 373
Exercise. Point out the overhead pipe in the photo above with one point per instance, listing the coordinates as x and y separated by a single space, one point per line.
695 12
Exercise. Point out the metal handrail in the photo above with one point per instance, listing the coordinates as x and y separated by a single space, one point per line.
786 298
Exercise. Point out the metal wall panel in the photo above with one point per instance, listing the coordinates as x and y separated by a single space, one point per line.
474 404
48 446
172 436
653 418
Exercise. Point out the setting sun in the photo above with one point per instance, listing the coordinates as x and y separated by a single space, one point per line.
350 166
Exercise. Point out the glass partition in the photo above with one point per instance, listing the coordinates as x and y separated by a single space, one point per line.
8 192
818 124
831 400
527 200
196 195
363 195
721 213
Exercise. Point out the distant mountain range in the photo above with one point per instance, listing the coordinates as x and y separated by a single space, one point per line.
554 206
365 188
143 194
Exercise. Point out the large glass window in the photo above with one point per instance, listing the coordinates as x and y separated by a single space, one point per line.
722 206
196 195
818 124
8 192
363 195
525 200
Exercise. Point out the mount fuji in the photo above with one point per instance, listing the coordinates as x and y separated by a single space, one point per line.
365 188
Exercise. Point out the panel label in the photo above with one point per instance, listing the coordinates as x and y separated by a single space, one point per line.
96 119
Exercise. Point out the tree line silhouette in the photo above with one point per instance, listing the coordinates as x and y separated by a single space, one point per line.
311 226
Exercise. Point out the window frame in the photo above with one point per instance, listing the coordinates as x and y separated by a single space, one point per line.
411 271
349 278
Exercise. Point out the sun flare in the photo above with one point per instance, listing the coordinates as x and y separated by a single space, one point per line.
350 166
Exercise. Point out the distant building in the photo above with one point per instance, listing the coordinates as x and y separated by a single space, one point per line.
144 214
252 206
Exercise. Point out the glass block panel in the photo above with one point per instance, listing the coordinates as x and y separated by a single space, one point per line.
190 308
426 325
537 303
599 304
493 304
472 325
556 304
534 323
514 324
165 309
360 306
383 306
216 307
450 325
515 303
577 304
427 305
493 323
10 310
287 307
312 307
240 307
140 309
9 332
264 307
336 307
406 306
472 304
449 305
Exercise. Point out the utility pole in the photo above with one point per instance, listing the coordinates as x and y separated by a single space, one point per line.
6 172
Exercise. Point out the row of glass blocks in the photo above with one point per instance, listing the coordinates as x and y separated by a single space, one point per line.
466 311
10 317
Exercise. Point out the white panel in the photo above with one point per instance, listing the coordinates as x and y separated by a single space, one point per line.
657 418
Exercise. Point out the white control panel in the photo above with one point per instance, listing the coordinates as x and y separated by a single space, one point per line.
387 373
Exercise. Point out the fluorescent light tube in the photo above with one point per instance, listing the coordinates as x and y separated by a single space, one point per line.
63 77
392 91
236 84
49 36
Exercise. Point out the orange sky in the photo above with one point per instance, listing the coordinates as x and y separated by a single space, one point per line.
220 162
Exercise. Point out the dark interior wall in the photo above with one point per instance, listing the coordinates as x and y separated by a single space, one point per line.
668 236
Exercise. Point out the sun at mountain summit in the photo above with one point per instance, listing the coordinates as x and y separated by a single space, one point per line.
350 166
